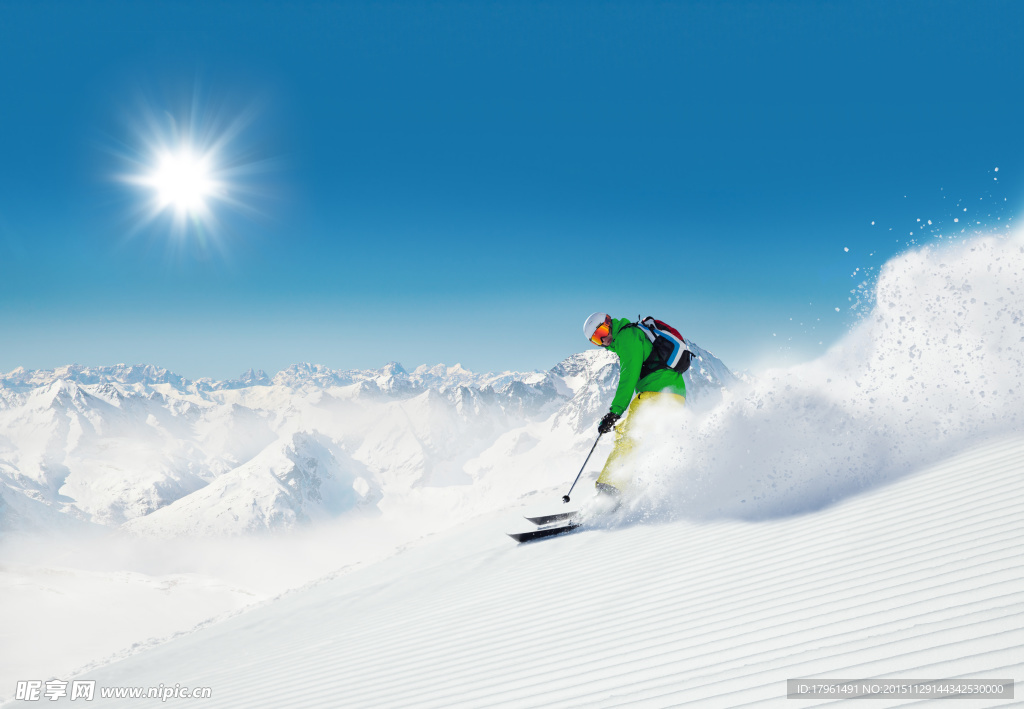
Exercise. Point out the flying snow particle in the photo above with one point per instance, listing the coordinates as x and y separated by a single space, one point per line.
846 248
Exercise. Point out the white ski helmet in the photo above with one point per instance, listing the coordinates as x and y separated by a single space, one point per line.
592 324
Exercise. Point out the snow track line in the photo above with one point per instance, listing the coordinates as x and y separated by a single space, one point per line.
794 670
353 698
935 553
922 577
699 642
497 655
407 644
700 649
822 543
638 670
931 670
961 541
913 673
450 667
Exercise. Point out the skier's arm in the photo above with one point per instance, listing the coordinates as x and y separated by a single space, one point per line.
630 350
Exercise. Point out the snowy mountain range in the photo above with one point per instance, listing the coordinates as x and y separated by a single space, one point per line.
144 449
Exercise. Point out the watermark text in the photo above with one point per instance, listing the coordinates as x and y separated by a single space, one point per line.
900 688
54 689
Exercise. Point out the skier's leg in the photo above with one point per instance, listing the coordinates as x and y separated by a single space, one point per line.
614 478
617 472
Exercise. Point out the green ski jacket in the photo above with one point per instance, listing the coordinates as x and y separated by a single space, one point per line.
632 347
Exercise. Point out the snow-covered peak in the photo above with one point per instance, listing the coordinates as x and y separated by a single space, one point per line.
392 378
299 478
59 394
254 378
393 369
442 377
304 373
707 374
576 369
143 374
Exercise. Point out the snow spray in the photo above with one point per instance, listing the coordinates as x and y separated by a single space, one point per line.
937 366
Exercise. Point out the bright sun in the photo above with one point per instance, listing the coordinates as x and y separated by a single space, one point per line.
183 182
193 174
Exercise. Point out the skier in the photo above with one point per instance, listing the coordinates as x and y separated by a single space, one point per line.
637 372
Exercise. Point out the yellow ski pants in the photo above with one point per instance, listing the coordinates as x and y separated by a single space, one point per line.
617 470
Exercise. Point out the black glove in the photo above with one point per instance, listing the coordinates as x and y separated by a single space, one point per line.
607 422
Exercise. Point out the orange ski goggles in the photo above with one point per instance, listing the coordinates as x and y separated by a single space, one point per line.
602 331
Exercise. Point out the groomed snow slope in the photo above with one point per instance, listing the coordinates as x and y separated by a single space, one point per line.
921 578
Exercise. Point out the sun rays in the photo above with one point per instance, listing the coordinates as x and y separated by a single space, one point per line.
192 172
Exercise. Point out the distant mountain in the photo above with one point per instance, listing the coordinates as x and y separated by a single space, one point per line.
145 374
707 373
297 479
145 448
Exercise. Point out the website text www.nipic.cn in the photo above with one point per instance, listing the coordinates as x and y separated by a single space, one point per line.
38 690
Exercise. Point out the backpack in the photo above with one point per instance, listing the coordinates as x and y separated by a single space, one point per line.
668 348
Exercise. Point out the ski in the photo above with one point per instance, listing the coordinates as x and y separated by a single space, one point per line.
543 532
548 519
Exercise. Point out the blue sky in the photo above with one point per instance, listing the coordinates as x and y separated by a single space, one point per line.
466 182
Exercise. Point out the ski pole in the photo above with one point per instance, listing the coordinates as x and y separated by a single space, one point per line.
565 497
